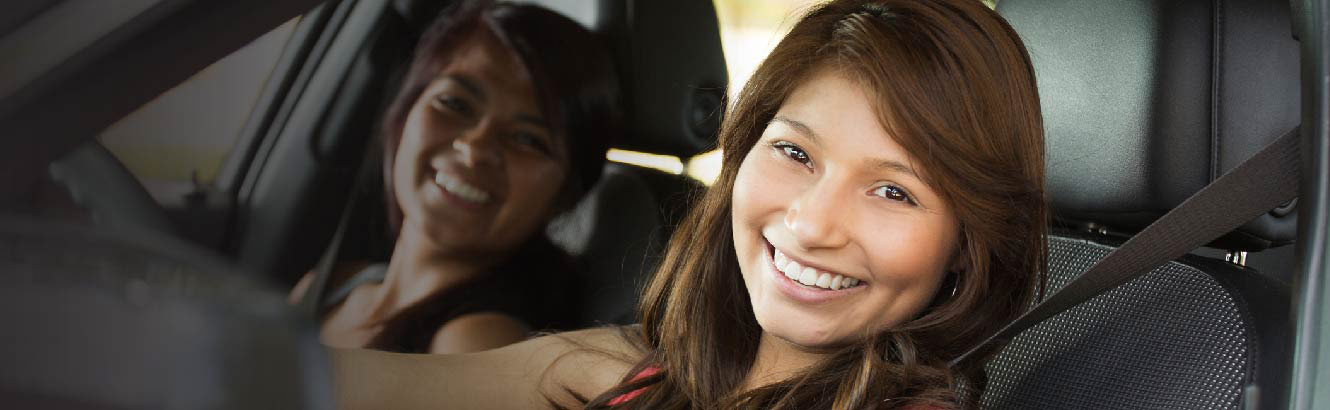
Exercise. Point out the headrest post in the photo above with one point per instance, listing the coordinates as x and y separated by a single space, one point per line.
1236 257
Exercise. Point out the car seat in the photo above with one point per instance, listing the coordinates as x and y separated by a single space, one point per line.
673 76
1144 103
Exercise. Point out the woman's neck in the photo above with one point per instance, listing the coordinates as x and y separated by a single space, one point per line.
418 268
777 359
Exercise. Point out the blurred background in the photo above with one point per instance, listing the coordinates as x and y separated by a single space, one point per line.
212 106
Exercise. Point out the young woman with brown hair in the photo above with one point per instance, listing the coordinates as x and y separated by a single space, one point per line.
880 209
502 122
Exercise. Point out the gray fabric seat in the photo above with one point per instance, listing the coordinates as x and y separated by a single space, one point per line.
1183 336
618 233
1144 103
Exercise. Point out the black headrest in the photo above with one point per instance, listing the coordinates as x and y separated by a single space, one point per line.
1147 101
669 59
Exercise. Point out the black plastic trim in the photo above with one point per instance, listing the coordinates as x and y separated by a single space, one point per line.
1312 22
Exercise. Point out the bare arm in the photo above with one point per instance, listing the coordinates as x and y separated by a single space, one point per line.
519 376
475 332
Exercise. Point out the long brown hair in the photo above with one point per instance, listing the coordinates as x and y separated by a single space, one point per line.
953 83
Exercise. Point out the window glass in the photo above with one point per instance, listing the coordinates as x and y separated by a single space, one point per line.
183 136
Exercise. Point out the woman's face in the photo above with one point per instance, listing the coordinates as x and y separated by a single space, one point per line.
478 168
835 231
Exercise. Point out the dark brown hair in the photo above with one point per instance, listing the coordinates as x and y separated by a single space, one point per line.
952 82
573 74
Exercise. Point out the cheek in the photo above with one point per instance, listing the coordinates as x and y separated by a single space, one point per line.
404 160
534 184
761 188
911 258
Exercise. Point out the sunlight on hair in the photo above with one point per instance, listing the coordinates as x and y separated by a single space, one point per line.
666 163
704 167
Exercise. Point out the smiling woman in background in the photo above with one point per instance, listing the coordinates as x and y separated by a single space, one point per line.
880 209
501 124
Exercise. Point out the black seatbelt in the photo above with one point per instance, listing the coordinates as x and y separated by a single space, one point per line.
1261 183
312 301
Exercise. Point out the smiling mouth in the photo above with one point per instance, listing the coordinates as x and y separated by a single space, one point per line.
809 277
461 189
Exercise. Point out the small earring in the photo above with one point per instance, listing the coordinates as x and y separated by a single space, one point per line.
955 283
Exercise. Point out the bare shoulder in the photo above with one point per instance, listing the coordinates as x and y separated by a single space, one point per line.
474 332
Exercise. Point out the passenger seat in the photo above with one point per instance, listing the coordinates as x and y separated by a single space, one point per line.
673 78
1144 103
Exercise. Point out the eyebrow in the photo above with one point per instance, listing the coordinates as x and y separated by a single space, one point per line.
535 120
880 164
798 127
895 166
469 84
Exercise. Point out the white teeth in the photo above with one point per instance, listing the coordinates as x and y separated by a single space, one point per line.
462 189
810 276
824 280
792 270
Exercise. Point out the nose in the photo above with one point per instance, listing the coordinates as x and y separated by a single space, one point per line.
478 147
815 219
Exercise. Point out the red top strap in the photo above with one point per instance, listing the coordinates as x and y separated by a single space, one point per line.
645 373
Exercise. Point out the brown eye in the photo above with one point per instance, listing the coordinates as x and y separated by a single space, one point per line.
533 141
448 103
893 193
794 152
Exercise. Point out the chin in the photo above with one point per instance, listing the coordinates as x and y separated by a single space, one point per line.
791 328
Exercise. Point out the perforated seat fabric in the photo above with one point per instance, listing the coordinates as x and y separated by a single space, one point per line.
1176 338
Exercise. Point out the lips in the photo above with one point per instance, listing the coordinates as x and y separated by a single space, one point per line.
820 282
461 189
809 276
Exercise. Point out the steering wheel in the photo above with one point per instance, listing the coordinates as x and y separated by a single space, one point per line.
113 197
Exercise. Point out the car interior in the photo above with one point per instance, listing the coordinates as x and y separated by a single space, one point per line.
118 301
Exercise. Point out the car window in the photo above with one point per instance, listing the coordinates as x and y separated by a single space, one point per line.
182 137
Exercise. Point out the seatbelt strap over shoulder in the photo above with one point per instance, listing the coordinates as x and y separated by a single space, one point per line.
1261 183
312 301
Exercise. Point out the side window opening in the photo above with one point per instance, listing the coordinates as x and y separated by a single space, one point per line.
176 144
